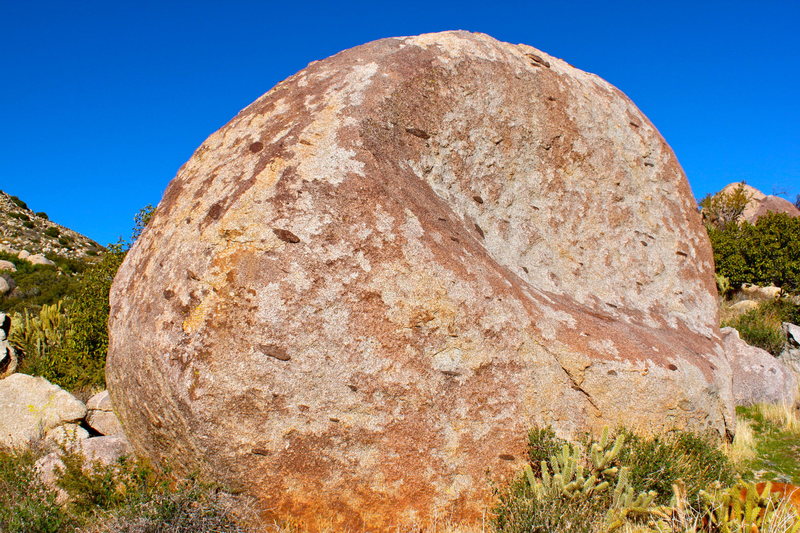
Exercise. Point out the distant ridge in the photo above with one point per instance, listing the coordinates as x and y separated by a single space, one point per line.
22 229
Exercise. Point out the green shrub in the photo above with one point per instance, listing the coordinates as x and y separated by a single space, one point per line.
26 505
28 224
52 231
20 216
542 444
39 285
126 496
723 209
760 327
764 253
18 202
657 463
42 214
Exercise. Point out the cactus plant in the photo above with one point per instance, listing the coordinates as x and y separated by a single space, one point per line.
36 335
743 508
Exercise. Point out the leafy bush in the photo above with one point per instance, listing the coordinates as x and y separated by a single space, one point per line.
18 202
659 462
42 214
20 216
542 444
767 252
761 327
126 496
27 505
140 221
39 285
724 209
52 231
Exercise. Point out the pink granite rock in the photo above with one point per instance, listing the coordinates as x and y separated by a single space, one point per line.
356 298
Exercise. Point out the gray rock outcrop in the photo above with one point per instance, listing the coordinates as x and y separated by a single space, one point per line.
758 376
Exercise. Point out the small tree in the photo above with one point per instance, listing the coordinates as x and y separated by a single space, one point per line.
725 208
141 220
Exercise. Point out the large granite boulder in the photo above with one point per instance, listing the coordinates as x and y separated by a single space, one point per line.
32 407
357 297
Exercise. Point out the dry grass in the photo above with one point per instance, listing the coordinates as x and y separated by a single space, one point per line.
783 416
743 447
438 526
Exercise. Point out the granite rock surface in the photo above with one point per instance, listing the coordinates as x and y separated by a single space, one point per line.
357 297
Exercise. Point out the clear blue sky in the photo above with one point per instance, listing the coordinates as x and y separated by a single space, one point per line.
101 102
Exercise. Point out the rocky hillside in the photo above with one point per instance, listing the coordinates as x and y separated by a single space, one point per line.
21 229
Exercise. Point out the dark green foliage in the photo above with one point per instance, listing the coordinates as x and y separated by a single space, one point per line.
20 216
767 252
26 505
657 463
542 444
18 202
28 224
43 215
52 231
518 512
89 316
761 329
39 285
79 363
140 221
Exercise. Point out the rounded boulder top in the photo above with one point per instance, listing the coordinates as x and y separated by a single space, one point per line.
357 297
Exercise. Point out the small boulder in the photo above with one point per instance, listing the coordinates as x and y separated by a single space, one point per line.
66 436
101 417
755 292
39 259
24 254
792 332
7 265
106 449
5 286
790 356
30 407
102 450
47 468
8 357
744 306
758 377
